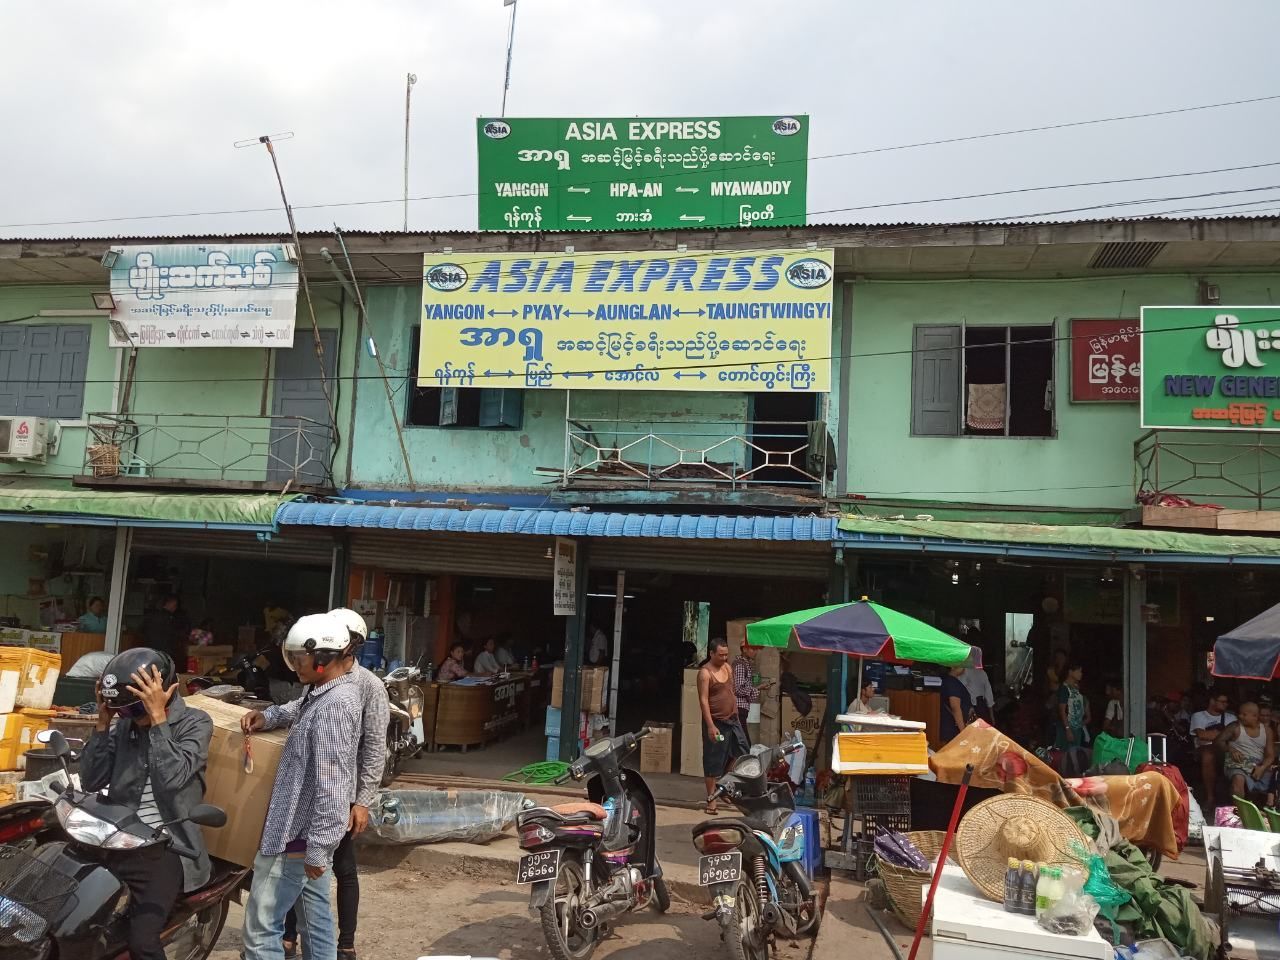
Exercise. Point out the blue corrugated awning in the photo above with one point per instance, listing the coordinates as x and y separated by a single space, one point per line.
558 523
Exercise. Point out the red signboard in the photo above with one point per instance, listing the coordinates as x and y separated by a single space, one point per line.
1106 361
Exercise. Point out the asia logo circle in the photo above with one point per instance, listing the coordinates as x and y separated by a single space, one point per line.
786 126
809 273
446 277
496 129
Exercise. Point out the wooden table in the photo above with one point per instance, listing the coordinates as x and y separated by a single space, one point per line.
468 715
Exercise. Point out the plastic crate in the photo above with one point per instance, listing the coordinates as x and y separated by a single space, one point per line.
882 802
30 891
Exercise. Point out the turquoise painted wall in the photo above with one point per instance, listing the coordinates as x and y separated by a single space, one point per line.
209 381
472 458
1089 463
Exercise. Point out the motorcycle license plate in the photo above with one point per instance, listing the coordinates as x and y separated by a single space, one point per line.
719 868
535 867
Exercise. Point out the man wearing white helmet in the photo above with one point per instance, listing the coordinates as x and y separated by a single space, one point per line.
313 794
372 755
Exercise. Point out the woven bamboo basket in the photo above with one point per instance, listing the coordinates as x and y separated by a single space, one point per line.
904 885
104 459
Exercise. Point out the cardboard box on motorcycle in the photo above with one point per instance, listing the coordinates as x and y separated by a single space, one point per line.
244 796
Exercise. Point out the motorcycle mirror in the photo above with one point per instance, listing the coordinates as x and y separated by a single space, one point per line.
207 815
55 741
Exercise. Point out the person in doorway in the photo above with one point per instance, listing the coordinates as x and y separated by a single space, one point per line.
981 695
149 750
166 627
94 619
745 689
1113 719
453 667
862 702
1251 752
503 654
1207 727
370 757
723 739
956 705
1073 710
598 649
486 664
313 795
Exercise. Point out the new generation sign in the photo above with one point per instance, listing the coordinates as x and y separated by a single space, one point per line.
642 174
1211 368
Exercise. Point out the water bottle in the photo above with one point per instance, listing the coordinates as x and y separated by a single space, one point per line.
610 805
810 783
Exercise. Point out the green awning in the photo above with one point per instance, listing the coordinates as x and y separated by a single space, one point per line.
35 501
1087 541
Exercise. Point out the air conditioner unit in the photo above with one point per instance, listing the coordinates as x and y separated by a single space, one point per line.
28 438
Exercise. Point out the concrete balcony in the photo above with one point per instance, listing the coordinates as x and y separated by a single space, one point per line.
211 452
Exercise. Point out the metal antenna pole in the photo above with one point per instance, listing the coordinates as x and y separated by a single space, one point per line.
511 42
306 289
410 80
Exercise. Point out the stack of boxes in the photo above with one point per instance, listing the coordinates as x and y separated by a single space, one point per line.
27 678
593 702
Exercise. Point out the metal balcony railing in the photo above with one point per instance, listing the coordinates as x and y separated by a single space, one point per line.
734 454
1230 469
207 450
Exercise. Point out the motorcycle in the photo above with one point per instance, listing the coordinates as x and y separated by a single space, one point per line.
251 671
62 900
773 894
405 735
588 864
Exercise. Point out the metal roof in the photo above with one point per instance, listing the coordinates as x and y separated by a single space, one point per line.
561 523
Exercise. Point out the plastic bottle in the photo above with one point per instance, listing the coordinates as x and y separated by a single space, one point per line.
1013 887
1057 888
1044 889
526 664
1027 893
430 673
810 783
610 805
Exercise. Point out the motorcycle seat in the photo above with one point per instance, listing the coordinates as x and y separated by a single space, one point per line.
575 811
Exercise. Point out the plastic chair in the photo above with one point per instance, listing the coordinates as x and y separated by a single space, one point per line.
1250 816
1273 819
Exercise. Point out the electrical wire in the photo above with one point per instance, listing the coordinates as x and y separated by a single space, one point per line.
826 156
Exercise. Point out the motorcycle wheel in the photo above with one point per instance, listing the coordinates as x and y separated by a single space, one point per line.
745 932
391 768
661 895
197 938
565 938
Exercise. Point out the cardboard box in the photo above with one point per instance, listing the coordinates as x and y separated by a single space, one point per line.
593 689
807 725
244 796
655 750
735 631
691 749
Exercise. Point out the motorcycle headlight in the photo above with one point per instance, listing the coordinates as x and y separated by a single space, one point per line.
413 700
86 828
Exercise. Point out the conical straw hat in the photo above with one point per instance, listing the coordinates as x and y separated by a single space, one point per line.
1018 826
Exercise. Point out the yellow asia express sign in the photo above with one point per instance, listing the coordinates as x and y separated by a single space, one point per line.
742 320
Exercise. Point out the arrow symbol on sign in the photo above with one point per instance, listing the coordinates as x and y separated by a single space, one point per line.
700 312
588 375
505 313
686 189
499 373
686 218
579 219
701 375
579 189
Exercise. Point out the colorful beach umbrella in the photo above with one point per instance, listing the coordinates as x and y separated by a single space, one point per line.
864 629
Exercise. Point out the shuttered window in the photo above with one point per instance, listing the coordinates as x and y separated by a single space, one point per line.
42 370
459 406
935 382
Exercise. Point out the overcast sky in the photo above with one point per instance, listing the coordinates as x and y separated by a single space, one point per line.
132 109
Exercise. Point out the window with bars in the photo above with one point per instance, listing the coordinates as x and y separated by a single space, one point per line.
492 408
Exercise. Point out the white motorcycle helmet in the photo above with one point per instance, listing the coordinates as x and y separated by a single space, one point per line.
319 635
354 623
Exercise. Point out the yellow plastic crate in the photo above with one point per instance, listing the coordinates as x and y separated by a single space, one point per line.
29 676
891 753
18 735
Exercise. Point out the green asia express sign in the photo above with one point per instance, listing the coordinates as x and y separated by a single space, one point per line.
1211 368
638 174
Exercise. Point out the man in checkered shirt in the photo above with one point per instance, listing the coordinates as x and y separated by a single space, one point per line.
745 690
311 800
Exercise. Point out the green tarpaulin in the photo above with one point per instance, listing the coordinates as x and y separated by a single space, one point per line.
1115 539
63 503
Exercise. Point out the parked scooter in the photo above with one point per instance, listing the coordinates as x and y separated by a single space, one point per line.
753 865
252 671
405 735
589 863
62 900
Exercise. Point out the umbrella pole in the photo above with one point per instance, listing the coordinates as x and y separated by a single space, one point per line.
858 690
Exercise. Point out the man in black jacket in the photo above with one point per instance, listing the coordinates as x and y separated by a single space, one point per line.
149 749
165 628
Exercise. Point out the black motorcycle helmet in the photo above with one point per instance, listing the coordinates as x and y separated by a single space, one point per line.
117 677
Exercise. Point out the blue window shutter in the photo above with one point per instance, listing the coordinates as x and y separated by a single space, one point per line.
72 363
46 366
12 348
501 408
935 381
448 406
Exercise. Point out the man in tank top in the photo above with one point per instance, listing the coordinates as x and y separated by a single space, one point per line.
1251 751
723 739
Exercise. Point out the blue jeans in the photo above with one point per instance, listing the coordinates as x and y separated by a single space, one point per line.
278 883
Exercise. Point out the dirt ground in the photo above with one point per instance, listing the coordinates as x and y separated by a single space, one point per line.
406 914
